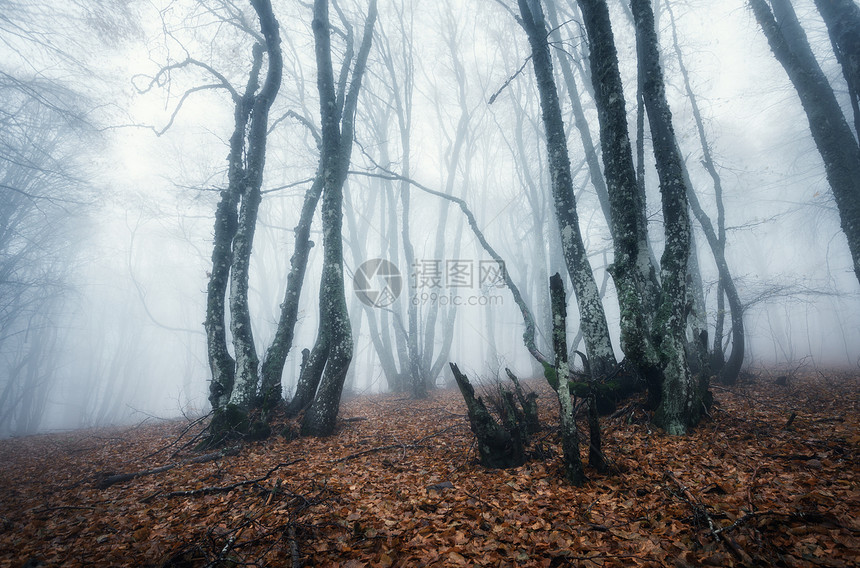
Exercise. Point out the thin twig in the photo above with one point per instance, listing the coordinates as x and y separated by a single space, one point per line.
700 510
231 487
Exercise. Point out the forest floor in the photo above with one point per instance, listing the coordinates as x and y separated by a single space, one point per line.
399 485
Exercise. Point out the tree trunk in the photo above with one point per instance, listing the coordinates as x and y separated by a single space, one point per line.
335 336
593 320
247 362
832 135
842 18
681 401
580 121
632 269
276 355
235 382
573 471
221 363
728 371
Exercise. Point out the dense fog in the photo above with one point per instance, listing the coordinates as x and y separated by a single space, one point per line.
111 167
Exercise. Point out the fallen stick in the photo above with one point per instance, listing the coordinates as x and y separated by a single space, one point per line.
120 477
294 549
699 510
412 446
231 487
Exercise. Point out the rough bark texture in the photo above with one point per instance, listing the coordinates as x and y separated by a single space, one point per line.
592 318
276 355
579 120
631 269
679 404
235 382
728 371
830 130
247 363
335 334
573 471
221 363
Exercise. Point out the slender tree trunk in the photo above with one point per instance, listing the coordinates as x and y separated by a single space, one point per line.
221 363
580 121
592 318
716 241
573 471
401 85
276 355
247 362
697 321
337 134
453 154
830 130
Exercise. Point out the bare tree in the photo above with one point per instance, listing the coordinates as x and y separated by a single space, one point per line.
716 238
592 318
653 314
233 389
332 352
833 137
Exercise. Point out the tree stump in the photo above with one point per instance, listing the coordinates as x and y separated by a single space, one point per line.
499 445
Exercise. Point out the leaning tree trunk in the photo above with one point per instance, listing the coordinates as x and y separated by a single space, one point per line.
337 135
276 356
580 121
592 317
680 402
842 18
830 130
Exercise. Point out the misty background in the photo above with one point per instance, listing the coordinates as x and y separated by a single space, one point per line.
110 184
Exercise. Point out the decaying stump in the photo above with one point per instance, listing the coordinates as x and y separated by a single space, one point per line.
528 402
499 445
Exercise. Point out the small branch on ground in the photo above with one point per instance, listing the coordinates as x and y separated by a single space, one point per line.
231 487
191 425
404 447
120 477
700 511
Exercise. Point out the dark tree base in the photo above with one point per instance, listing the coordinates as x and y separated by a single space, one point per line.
499 445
